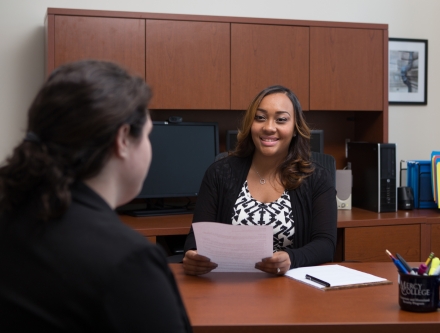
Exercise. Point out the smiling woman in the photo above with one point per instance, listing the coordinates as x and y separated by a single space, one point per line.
270 180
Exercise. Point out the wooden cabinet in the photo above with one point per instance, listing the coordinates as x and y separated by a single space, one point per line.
370 243
346 69
188 64
265 55
435 239
121 40
365 235
208 68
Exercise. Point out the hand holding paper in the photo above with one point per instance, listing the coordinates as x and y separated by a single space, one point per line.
196 264
278 264
233 248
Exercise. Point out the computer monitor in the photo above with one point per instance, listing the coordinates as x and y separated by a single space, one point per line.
181 154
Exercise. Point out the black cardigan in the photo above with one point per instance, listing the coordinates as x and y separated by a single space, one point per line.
313 204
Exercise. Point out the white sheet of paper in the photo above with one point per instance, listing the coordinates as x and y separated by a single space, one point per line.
336 275
235 248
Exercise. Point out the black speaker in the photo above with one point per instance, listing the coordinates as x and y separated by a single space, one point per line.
405 198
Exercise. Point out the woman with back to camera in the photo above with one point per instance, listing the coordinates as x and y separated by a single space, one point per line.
68 263
270 180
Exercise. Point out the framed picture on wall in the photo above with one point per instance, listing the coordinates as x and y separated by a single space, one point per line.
408 71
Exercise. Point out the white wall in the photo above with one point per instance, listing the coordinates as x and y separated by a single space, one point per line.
412 128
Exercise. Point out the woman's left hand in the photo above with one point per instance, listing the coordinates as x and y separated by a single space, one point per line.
278 264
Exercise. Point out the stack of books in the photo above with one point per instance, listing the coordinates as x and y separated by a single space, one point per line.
435 176
419 178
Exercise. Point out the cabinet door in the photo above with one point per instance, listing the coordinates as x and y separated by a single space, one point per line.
188 64
346 69
370 243
120 40
435 238
265 55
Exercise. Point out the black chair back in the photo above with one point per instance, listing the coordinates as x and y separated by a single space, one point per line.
327 161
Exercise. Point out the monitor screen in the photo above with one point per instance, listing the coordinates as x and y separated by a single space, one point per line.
181 154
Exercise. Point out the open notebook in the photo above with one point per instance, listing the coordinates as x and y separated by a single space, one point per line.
337 276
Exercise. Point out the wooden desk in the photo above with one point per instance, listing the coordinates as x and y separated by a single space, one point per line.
362 235
154 226
258 302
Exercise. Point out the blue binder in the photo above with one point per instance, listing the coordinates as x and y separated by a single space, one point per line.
419 178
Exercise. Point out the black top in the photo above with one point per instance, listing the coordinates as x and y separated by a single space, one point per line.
313 204
85 272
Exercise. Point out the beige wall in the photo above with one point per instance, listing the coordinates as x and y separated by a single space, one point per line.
412 128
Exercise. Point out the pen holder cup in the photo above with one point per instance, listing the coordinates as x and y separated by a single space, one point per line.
418 293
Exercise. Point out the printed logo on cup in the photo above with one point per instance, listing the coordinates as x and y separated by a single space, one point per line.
418 293
414 289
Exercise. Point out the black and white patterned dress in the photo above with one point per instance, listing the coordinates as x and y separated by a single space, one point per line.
278 214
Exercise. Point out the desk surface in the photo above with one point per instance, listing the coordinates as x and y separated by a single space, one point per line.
357 217
258 302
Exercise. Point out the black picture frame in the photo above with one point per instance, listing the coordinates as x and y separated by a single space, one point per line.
407 71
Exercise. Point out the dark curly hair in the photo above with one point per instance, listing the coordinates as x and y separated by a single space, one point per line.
72 125
296 166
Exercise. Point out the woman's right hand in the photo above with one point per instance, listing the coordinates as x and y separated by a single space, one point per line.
196 264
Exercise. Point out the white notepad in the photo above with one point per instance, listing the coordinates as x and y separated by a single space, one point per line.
337 276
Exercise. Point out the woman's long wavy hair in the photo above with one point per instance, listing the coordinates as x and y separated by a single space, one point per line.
71 130
296 166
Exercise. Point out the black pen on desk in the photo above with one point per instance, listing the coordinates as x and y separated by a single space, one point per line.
322 283
404 263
